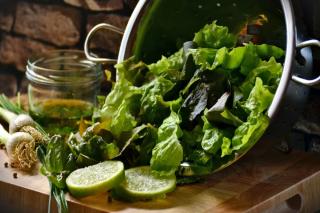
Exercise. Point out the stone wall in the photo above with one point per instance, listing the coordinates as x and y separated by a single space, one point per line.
35 26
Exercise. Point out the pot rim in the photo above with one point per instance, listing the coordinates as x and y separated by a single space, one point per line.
289 58
289 55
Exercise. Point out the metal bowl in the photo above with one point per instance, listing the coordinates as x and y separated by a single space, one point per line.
158 27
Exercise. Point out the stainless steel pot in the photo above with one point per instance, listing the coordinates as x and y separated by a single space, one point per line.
293 44
293 41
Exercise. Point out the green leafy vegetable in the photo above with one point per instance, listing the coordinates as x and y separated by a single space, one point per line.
153 108
168 152
269 71
133 71
214 36
196 102
249 132
266 51
226 147
57 163
138 145
213 138
220 113
174 62
192 112
206 57
123 120
259 99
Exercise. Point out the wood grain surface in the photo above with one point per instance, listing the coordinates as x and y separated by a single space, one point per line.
265 180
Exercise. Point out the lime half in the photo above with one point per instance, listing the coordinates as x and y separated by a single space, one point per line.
96 178
141 184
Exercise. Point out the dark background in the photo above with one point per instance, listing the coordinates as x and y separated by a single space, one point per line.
30 27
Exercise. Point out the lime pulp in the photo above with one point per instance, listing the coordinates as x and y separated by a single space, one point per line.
140 183
96 178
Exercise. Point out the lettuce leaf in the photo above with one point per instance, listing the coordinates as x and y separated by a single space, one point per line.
259 99
249 132
168 152
200 157
269 71
212 138
154 111
204 57
266 51
153 108
220 113
122 90
133 71
137 146
226 148
174 62
170 126
123 120
214 36
195 103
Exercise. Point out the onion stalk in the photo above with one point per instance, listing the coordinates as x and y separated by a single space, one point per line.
20 147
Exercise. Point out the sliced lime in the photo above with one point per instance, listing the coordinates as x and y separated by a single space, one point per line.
141 184
96 178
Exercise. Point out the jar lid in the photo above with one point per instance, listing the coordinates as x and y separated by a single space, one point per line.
62 68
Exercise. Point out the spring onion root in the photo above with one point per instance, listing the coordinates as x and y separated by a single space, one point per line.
20 147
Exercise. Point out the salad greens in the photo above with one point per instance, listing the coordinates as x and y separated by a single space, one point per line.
206 102
168 152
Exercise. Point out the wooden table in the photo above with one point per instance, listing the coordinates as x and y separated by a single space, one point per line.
265 180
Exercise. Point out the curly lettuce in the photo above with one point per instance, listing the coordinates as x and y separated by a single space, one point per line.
201 105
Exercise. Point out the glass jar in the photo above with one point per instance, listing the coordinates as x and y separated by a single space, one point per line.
63 86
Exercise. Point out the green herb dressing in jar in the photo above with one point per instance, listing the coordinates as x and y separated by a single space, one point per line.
63 86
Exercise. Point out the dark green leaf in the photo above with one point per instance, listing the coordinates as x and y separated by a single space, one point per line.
220 113
195 103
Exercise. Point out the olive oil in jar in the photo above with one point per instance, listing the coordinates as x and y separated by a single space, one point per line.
63 86
61 116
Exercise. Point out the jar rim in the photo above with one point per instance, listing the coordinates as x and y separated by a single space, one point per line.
34 60
61 67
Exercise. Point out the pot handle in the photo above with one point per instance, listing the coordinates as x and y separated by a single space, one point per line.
89 36
307 82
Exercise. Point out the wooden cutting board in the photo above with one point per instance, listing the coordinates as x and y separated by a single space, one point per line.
265 180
